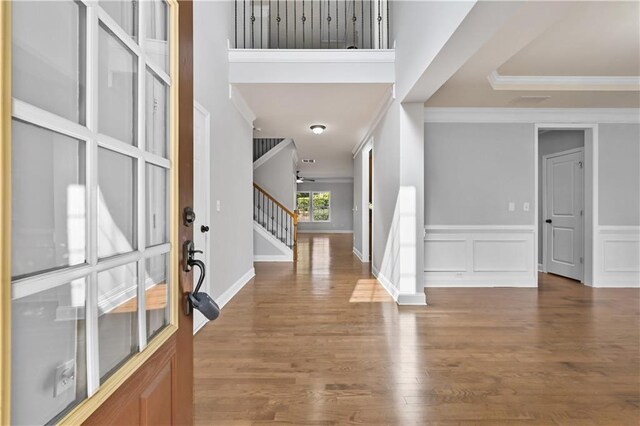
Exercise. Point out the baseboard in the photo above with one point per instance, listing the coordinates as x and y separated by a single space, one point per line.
416 299
400 298
359 255
540 267
622 282
387 285
273 258
330 231
231 291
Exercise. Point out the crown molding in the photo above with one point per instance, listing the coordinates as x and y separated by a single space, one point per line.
241 105
564 83
532 115
386 102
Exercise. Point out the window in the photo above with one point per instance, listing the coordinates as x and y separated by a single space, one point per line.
313 206
91 186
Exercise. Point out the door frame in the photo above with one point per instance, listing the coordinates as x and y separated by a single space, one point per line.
207 152
543 204
591 253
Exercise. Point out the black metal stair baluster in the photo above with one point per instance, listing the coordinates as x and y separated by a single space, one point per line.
235 4
295 24
379 25
286 23
370 24
269 26
337 23
320 19
253 19
261 23
329 24
304 18
354 20
345 25
387 47
312 23
278 19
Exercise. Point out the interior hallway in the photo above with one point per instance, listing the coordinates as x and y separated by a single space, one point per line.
298 346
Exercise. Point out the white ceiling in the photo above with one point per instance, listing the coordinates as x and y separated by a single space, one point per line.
594 39
287 110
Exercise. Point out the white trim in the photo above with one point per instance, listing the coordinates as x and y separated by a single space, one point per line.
480 228
272 152
405 299
272 258
612 275
359 255
241 105
282 247
487 281
385 282
564 83
532 115
323 56
324 231
619 228
384 106
541 267
590 149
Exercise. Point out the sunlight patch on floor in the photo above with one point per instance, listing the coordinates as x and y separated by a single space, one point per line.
368 291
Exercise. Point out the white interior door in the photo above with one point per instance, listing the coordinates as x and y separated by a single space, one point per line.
564 208
201 188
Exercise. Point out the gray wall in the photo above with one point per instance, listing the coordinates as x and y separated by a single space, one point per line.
550 142
619 174
386 180
357 201
277 176
473 171
341 206
231 148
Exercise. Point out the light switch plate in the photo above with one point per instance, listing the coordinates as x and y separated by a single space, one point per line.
512 206
217 205
65 378
525 207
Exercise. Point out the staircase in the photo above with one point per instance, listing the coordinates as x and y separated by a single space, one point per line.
263 145
275 219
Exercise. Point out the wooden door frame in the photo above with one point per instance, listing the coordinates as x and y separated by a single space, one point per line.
591 223
543 204
179 334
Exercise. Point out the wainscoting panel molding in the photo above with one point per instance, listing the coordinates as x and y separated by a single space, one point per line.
619 248
479 256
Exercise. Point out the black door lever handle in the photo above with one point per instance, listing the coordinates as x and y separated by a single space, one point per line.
548 220
204 228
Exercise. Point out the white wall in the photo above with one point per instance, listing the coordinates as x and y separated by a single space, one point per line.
619 174
231 149
550 142
341 206
472 171
277 175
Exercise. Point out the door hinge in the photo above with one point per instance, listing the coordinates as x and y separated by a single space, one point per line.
581 260
581 213
580 164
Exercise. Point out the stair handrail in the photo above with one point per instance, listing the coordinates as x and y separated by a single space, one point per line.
292 214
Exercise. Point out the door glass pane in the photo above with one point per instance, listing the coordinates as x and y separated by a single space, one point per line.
117 317
48 56
156 43
156 205
302 206
48 363
116 203
48 196
116 88
157 301
321 212
156 115
124 12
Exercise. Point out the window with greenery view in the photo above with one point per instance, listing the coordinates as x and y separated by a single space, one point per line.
313 206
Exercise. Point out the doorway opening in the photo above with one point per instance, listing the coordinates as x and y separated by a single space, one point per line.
565 200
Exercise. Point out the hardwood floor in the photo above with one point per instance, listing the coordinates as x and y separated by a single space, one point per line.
299 346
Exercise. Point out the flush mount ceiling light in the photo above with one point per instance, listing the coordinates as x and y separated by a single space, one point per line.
308 160
318 128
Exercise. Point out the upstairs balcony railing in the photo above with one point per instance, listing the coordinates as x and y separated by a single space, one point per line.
312 24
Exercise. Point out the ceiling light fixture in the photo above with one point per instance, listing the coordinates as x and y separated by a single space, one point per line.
318 129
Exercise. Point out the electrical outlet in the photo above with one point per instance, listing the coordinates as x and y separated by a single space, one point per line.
512 206
217 205
65 378
525 207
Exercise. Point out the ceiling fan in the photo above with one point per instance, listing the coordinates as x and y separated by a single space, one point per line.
300 179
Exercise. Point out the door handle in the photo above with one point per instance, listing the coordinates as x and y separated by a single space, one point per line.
548 220
204 228
197 300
